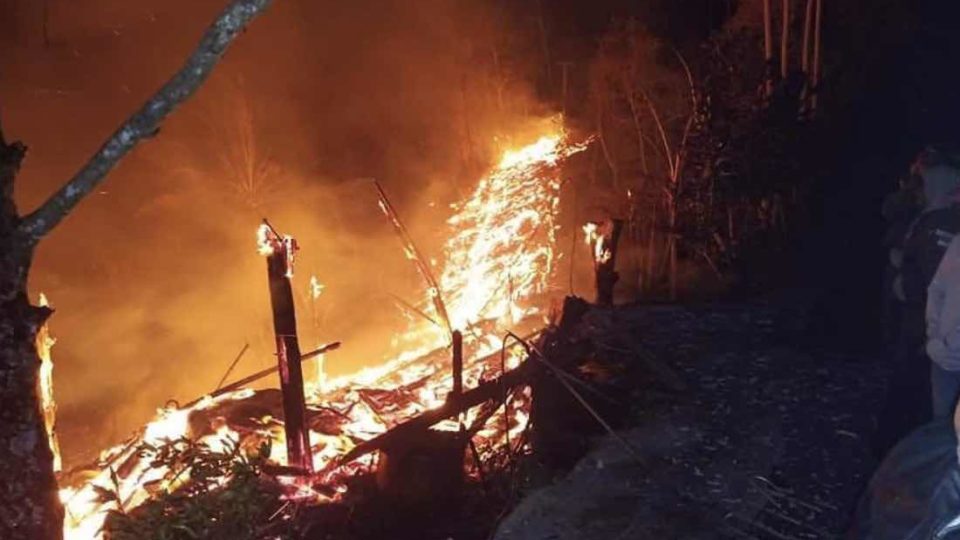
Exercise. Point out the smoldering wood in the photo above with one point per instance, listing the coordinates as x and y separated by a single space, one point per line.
485 391
288 352
551 342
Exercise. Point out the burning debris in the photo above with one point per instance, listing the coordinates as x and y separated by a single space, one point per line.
498 261
49 405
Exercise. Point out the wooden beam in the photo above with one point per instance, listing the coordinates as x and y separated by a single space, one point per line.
279 271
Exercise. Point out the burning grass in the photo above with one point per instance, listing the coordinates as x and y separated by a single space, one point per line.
497 265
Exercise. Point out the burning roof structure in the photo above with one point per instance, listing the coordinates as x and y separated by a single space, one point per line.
494 279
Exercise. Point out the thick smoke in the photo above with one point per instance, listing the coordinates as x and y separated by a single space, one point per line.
156 279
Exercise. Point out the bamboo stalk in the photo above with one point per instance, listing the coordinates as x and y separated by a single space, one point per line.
816 56
607 153
785 41
807 30
767 32
767 47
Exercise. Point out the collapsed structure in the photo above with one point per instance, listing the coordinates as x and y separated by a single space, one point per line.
491 291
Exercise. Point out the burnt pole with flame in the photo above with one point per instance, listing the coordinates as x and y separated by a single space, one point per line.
280 250
603 238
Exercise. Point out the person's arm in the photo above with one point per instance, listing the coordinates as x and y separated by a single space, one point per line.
936 296
941 341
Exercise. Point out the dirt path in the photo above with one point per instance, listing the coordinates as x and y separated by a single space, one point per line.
769 441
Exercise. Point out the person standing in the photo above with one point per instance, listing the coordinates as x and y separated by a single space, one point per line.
899 210
908 403
943 332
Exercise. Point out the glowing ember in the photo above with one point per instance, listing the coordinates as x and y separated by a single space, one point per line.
498 260
47 403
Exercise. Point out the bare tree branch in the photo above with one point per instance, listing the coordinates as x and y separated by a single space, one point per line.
145 123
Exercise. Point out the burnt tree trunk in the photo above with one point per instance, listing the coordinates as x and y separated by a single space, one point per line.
605 270
29 506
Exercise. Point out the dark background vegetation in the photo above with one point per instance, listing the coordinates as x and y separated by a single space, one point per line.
156 279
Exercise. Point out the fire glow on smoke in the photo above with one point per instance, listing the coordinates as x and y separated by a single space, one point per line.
498 260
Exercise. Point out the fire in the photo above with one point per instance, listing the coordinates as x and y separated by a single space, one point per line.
595 239
316 288
270 243
47 402
265 240
500 251
497 262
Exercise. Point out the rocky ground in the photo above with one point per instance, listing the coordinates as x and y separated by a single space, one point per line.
766 436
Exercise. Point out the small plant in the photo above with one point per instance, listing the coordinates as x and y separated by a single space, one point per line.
208 494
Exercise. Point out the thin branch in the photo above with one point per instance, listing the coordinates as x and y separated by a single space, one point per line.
146 122
419 261
668 152
690 119
635 114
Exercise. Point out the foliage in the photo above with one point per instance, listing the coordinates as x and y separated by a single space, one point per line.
216 494
713 167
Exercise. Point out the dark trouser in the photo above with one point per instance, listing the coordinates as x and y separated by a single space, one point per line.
908 403
945 386
891 308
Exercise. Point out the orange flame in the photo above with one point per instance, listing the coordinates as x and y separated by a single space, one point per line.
47 402
316 288
595 239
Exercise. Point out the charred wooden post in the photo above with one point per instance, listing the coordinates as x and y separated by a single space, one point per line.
280 252
457 365
561 428
605 260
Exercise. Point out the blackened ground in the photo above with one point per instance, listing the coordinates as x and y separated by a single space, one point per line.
769 440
